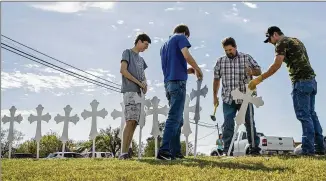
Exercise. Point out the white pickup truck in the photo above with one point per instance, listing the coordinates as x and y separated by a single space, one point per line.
268 144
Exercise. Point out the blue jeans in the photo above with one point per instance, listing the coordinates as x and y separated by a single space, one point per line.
176 95
303 95
229 112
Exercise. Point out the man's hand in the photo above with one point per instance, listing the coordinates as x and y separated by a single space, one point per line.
199 74
145 90
142 85
191 70
253 83
216 102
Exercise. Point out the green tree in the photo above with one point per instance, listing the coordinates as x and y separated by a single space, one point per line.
106 141
18 136
150 146
49 143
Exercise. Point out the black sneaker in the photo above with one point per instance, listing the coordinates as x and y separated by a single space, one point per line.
179 156
320 153
130 152
255 151
124 156
163 155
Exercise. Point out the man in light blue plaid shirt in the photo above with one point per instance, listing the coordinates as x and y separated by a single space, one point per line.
236 70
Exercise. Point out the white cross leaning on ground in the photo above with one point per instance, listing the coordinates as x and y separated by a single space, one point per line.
241 116
155 111
186 130
39 118
11 120
66 119
197 93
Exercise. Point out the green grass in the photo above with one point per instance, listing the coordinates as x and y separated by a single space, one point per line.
205 168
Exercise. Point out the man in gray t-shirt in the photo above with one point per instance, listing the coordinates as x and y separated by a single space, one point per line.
133 83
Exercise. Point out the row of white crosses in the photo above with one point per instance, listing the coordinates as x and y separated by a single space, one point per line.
94 113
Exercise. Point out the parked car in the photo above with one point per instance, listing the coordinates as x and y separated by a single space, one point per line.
23 155
268 144
99 155
66 155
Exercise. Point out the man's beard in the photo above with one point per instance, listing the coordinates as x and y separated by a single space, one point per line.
230 55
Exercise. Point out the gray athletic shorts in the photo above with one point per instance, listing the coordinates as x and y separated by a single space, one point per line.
132 109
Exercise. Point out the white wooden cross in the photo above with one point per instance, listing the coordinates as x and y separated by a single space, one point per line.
39 118
66 119
155 111
240 117
11 120
197 93
116 114
143 103
94 114
186 130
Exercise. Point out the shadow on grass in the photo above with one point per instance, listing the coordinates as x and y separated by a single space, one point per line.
193 162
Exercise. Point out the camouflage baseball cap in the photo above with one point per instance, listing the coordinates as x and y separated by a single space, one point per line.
270 31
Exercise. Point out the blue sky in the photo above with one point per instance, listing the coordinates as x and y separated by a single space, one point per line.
92 37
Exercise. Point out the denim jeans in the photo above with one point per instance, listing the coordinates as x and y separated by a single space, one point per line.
229 112
176 95
303 95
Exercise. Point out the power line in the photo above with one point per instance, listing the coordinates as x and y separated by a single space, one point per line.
58 69
58 60
204 136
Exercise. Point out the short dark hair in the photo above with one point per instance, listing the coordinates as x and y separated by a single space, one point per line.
182 28
229 41
143 37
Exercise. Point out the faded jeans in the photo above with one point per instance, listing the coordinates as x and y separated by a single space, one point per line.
176 95
303 95
229 112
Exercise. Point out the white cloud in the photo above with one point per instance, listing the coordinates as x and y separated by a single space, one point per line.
36 82
120 22
199 47
114 27
31 66
136 29
174 9
24 113
250 5
151 22
73 7
207 55
202 65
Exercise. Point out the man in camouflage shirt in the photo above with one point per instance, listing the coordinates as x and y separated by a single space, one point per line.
293 52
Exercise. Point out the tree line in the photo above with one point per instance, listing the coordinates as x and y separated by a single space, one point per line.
106 141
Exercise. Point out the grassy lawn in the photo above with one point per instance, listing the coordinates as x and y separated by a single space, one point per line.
204 168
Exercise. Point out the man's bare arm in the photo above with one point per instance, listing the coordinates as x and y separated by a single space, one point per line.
190 60
278 60
216 86
124 71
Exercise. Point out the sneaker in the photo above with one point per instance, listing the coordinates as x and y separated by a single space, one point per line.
320 153
163 155
254 152
179 156
130 152
124 156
